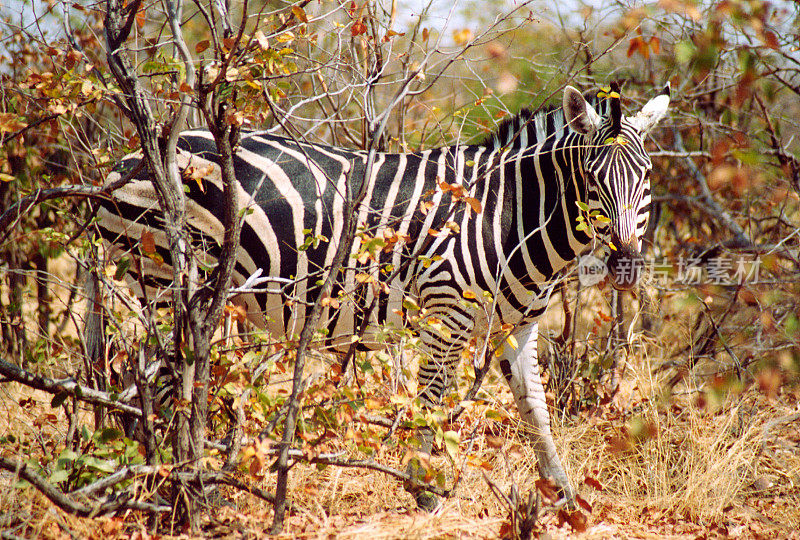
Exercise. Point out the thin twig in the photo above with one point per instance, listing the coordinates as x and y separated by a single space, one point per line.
24 205
368 464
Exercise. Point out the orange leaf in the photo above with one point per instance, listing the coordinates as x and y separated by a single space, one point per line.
236 312
632 47
475 204
576 519
300 14
358 28
593 482
202 46
655 45
148 242
462 36
363 278
547 488
9 122
457 190
332 302
770 40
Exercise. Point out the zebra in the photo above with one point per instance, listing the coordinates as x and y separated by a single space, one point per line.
500 218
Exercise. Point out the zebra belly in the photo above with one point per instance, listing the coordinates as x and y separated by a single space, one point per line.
134 214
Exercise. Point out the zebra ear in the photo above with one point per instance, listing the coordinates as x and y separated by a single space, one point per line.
652 112
579 114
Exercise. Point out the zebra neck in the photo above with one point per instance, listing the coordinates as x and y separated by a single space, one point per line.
552 183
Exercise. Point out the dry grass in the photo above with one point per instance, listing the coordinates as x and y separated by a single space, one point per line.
706 460
694 471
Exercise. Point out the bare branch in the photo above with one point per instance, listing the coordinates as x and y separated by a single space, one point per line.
722 214
67 503
68 386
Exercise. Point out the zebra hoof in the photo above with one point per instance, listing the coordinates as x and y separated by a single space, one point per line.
426 501
566 498
567 502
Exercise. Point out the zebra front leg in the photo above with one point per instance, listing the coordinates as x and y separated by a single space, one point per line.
435 380
521 370
417 471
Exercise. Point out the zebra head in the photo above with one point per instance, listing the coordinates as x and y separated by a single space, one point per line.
616 169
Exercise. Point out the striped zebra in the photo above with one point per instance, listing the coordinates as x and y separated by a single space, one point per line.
501 217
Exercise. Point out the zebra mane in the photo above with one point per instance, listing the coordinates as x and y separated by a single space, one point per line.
539 124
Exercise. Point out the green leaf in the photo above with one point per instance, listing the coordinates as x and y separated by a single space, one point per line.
451 441
102 465
122 268
67 456
685 51
59 476
582 205
409 303
109 434
440 479
511 340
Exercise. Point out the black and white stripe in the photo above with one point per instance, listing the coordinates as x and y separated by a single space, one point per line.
527 177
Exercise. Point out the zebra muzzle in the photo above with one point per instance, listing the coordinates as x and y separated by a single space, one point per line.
625 263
